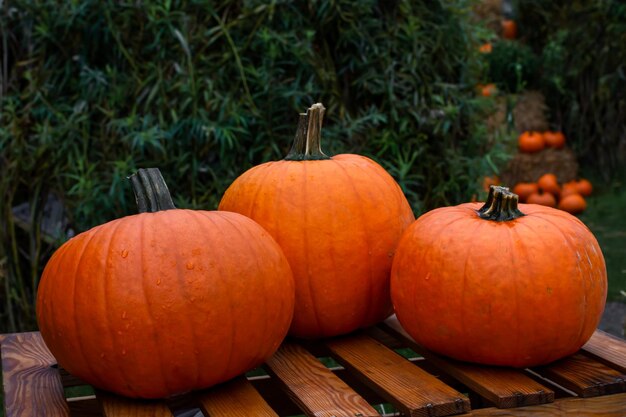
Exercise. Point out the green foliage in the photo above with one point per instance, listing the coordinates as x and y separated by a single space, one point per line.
583 48
204 90
512 66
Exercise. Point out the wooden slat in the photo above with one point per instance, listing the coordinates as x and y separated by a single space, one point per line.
412 390
315 389
236 398
607 406
585 376
116 406
504 387
608 349
31 386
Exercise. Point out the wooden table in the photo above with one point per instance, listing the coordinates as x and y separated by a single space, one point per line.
365 369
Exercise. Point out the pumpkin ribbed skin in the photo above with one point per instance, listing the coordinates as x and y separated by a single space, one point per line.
161 303
338 221
519 293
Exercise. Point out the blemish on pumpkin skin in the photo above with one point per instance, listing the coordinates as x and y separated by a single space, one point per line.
190 265
549 290
124 253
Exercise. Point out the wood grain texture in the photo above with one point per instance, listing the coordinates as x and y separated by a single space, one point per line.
412 390
31 386
236 398
584 375
607 406
314 388
608 349
504 387
116 406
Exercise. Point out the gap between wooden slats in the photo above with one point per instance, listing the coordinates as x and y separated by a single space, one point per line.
608 406
116 406
31 386
236 398
584 375
314 388
504 387
412 390
607 349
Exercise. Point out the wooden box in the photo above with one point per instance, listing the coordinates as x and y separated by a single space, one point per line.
358 375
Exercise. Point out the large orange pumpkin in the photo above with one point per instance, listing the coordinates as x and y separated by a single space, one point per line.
499 284
165 301
338 221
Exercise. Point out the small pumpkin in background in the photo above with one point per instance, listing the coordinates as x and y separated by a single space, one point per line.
485 48
549 183
530 142
568 188
542 198
338 220
573 203
525 190
509 29
165 301
554 139
584 187
499 284
487 90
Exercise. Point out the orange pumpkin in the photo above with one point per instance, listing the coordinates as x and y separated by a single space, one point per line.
542 198
568 188
549 183
531 142
338 220
554 139
525 190
583 186
573 203
485 48
487 90
499 284
165 301
509 29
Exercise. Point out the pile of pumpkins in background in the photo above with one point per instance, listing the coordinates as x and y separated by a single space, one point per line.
547 190
543 169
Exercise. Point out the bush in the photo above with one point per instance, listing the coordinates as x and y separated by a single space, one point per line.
93 90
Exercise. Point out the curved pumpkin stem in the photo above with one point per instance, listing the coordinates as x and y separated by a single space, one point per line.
501 205
150 190
307 143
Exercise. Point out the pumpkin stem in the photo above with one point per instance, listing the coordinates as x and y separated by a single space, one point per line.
150 190
501 205
307 143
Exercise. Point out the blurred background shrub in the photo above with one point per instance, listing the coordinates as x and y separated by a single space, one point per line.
93 90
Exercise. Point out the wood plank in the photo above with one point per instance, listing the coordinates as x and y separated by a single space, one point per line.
606 406
31 386
412 390
117 406
504 387
314 388
236 398
584 375
608 349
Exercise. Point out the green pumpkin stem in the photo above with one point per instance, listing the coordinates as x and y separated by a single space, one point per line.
501 205
150 190
307 143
